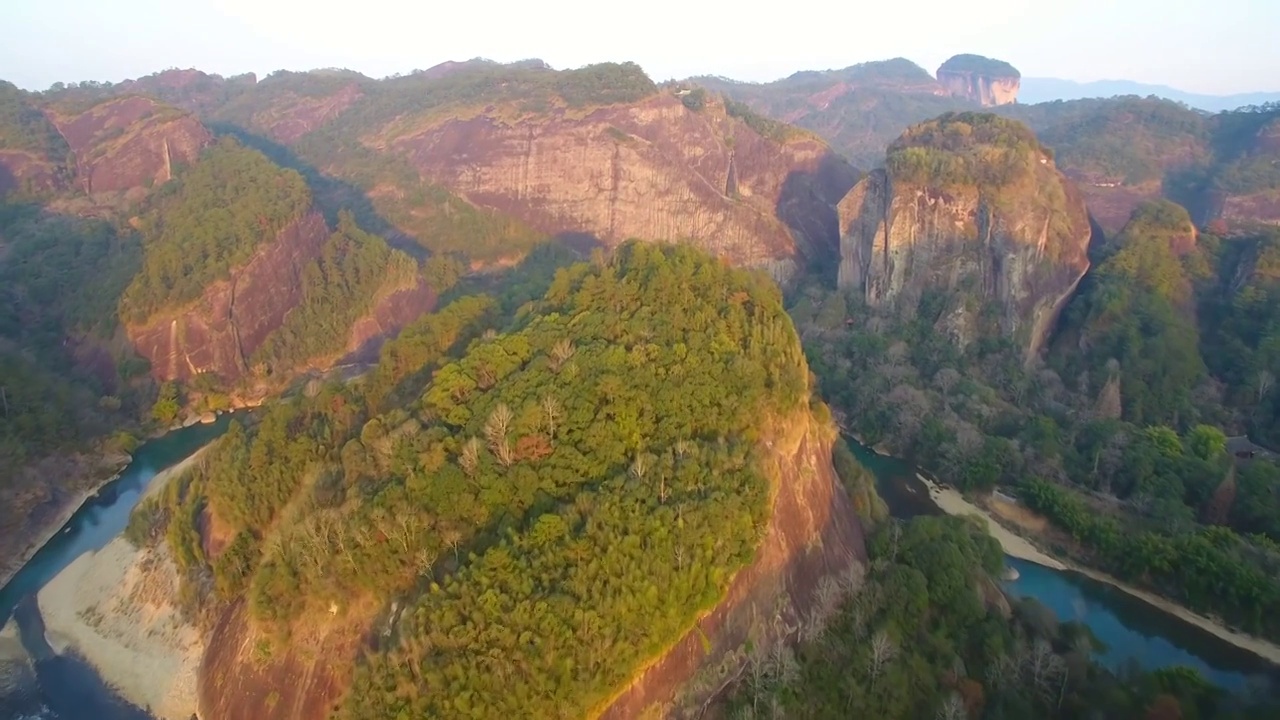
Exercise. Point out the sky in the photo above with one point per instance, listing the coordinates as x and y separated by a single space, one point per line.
1206 46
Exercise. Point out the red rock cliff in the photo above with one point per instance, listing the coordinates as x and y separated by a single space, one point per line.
653 169
130 142
813 532
234 316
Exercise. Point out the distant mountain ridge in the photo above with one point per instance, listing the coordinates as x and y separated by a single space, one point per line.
1039 89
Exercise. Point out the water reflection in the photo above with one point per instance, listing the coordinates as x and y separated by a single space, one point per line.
1133 630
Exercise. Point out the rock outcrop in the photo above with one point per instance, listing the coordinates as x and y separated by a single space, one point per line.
233 317
972 207
653 169
980 79
1246 191
130 142
813 532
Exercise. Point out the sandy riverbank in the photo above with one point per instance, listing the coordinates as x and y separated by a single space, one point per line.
116 609
952 502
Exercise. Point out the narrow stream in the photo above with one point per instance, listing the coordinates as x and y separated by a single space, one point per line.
1134 632
68 688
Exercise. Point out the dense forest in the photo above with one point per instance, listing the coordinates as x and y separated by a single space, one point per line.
1124 434
210 220
602 446
65 377
927 635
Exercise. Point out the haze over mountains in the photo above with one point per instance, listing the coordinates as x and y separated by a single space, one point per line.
1042 89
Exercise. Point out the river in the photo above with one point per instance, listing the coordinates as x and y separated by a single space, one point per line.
1133 631
68 688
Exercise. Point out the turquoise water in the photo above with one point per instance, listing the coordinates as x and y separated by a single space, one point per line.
68 688
1133 631
105 516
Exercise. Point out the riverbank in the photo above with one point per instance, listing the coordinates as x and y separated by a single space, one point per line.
1015 545
115 608
106 469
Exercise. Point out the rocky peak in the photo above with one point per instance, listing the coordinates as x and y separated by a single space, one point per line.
981 79
972 207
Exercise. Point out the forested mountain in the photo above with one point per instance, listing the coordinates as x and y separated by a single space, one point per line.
1116 434
473 158
1121 150
127 236
601 466
606 488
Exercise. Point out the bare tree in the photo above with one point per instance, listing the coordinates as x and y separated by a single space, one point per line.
451 537
640 467
560 353
495 428
469 459
882 653
952 708
551 414
945 379
1265 381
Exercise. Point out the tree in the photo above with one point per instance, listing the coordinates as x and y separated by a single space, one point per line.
1206 442
167 405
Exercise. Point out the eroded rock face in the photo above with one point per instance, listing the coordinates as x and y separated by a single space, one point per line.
983 80
24 172
813 532
130 142
294 115
390 313
900 240
233 317
298 680
652 170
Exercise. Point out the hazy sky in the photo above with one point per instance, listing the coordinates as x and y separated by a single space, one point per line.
1212 46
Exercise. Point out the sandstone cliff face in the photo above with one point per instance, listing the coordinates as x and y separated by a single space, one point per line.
652 170
1256 200
292 115
980 79
25 172
233 317
987 91
130 142
813 532
901 239
300 680
390 313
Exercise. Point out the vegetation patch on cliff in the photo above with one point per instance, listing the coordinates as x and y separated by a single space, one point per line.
209 221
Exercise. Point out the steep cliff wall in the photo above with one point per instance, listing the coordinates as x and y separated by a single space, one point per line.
130 142
233 317
813 532
983 80
245 674
984 221
390 313
653 169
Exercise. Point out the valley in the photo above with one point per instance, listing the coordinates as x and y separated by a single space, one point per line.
550 369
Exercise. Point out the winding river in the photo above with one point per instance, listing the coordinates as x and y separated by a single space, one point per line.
1133 631
68 689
